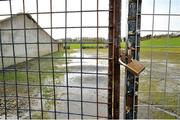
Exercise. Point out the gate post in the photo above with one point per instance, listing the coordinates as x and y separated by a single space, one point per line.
114 67
134 21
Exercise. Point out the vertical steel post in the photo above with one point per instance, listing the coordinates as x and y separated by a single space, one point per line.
134 20
110 59
114 68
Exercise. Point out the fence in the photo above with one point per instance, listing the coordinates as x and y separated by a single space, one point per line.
154 94
83 79
69 83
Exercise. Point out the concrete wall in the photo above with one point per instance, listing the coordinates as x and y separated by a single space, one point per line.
19 40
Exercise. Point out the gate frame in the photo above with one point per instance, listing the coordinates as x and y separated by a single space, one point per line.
133 41
114 66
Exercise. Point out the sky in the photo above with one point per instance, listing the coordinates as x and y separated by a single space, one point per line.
90 19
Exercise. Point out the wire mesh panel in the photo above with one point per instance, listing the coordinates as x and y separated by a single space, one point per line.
54 59
60 59
156 94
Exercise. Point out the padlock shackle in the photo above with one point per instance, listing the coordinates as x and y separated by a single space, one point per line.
122 63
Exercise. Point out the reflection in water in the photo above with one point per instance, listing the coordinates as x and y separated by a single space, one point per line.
89 80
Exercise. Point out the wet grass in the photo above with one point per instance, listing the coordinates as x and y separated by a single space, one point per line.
160 50
86 46
22 76
153 94
157 97
32 66
161 42
154 114
158 43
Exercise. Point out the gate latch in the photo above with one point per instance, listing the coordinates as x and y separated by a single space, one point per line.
134 66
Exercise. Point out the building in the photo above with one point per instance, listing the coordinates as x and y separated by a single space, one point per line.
14 33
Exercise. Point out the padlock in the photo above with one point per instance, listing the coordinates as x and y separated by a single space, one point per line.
123 55
135 67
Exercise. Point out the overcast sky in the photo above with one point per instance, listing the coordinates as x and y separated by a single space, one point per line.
90 19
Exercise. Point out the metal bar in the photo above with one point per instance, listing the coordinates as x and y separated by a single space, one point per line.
39 61
166 55
55 12
26 55
70 113
25 68
116 65
4 81
136 54
14 60
74 27
52 63
97 60
72 100
85 11
151 60
70 27
35 71
110 47
58 86
66 54
134 41
81 40
18 43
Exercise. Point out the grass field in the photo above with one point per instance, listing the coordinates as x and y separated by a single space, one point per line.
162 42
33 65
156 48
155 44
85 46
160 50
159 44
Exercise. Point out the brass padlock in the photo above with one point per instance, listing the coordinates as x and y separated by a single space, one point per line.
135 67
123 55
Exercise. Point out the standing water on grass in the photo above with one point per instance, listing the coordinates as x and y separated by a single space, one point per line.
81 95
93 75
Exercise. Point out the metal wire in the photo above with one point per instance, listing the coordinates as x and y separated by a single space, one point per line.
4 81
52 58
27 73
39 63
67 83
97 61
25 67
62 103
149 94
14 54
153 108
81 59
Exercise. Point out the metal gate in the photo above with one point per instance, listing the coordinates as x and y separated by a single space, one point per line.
55 61
153 38
60 59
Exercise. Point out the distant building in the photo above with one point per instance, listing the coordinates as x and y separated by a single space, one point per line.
18 38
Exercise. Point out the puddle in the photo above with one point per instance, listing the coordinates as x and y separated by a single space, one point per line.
82 87
89 80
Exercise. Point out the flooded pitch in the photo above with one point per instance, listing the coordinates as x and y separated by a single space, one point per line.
82 94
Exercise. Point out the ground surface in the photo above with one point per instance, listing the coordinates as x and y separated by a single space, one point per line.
159 85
